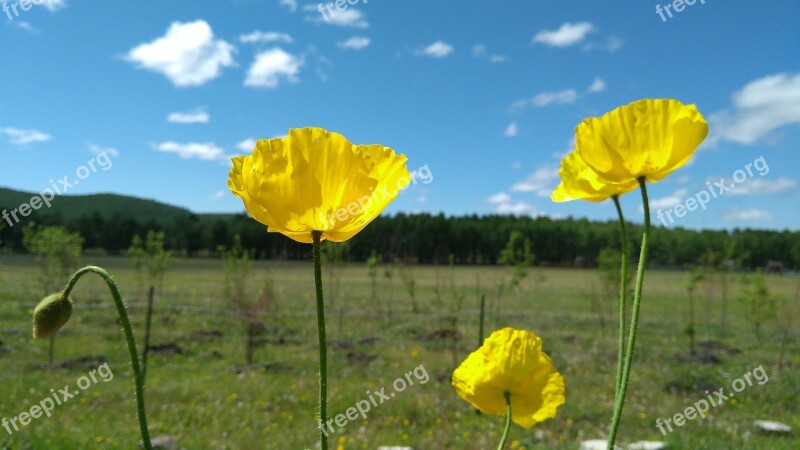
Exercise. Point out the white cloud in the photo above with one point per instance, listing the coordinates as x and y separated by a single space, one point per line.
355 43
291 5
247 145
19 136
515 208
511 130
270 66
479 50
598 85
516 165
762 187
760 108
569 34
498 59
349 18
670 201
499 198
203 151
187 54
218 195
261 36
753 214
541 182
438 49
97 150
196 116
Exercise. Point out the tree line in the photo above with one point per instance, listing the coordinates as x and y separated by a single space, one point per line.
431 239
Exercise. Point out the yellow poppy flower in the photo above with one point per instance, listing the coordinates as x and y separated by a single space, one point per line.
316 180
647 138
580 182
511 361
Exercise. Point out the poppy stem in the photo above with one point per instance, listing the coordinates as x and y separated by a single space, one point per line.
323 345
623 235
138 378
637 299
503 439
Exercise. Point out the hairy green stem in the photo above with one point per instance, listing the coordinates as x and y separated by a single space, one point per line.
623 285
503 439
323 345
126 326
637 300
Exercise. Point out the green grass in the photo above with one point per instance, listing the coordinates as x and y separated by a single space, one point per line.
197 396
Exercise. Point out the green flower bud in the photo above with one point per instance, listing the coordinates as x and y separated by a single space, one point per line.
50 315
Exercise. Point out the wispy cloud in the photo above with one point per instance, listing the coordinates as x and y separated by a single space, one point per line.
611 44
28 27
265 37
438 49
541 182
188 54
598 85
53 5
18 136
479 51
272 66
543 99
762 187
189 117
96 149
355 43
762 107
246 145
291 5
742 215
567 35
511 130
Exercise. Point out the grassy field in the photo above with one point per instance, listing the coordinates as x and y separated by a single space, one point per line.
201 392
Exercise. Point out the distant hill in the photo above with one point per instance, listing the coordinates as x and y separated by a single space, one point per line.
71 207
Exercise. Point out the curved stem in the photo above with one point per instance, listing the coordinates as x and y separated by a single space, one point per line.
508 421
637 299
126 326
323 346
623 285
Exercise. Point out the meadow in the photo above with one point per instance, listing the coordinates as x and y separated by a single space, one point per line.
200 390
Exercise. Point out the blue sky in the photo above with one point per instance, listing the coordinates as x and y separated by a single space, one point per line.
485 94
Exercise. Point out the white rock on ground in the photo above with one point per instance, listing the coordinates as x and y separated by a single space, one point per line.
648 445
771 426
164 443
597 444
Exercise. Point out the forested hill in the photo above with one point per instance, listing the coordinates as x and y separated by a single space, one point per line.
109 221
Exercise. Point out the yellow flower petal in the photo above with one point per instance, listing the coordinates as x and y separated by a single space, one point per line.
511 361
580 182
316 180
647 138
